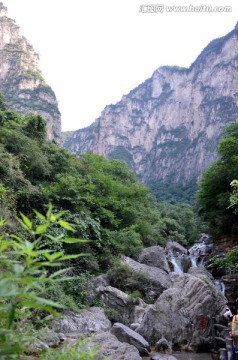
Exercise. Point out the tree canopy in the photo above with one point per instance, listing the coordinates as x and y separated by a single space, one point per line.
215 187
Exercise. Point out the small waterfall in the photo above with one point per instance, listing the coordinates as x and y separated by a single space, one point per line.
220 285
193 261
177 264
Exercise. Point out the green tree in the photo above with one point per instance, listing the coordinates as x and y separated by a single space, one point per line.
214 190
3 105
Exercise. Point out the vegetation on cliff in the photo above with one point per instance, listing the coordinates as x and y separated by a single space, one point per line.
215 187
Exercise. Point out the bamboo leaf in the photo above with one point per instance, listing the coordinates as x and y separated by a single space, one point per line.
39 215
66 225
42 228
73 240
26 221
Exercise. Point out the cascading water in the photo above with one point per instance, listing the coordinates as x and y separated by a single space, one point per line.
177 264
220 285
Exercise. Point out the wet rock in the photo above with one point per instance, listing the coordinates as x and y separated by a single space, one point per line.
154 256
186 263
85 323
163 357
163 346
181 314
175 248
125 334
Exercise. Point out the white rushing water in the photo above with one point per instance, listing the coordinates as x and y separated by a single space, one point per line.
220 285
177 264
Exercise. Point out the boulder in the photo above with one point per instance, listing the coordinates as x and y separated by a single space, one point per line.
101 280
163 357
175 248
182 314
85 323
130 310
186 263
118 300
159 279
163 346
154 256
127 335
201 272
111 348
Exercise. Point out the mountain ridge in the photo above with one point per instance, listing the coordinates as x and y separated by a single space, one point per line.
21 80
168 127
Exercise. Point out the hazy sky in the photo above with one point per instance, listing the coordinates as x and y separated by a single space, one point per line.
94 51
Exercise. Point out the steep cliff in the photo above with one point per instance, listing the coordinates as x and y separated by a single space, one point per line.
167 128
21 81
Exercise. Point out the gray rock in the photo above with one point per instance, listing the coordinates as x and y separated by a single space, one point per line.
174 248
125 334
138 313
186 263
158 278
111 348
154 256
182 313
163 357
85 323
201 272
130 310
163 346
116 299
101 280
37 347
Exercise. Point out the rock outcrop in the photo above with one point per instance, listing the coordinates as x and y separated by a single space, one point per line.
111 348
182 314
125 334
154 256
159 279
21 80
81 324
167 129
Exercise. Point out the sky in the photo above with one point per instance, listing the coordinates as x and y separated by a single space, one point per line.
92 52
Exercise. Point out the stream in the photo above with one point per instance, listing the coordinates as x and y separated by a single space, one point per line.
188 356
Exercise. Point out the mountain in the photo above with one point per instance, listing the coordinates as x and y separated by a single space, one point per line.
21 80
167 128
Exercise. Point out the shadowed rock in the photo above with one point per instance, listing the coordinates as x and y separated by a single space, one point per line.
125 334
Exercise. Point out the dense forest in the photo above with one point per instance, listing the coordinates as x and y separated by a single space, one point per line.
65 219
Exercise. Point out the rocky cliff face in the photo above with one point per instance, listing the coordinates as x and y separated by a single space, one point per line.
21 81
167 128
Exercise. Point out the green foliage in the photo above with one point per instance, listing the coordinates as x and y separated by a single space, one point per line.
103 198
3 105
234 196
227 260
79 351
35 127
174 193
25 279
124 278
179 223
215 190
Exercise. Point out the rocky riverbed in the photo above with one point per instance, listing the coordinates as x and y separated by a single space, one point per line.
171 310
